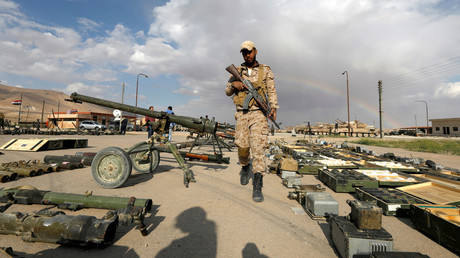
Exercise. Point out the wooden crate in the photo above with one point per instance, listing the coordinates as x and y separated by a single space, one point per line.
434 192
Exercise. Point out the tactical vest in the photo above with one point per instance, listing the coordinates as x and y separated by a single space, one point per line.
261 87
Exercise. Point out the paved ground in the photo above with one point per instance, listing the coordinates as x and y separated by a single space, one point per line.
214 217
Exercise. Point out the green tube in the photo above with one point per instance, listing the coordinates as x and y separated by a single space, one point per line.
79 201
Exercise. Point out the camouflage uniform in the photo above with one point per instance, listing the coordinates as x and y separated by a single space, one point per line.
252 126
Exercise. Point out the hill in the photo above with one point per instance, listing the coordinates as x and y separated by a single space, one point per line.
33 101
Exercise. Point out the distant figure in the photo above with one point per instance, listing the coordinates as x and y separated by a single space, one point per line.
171 126
124 124
147 120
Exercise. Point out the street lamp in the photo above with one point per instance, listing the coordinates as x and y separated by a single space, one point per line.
426 109
137 84
348 105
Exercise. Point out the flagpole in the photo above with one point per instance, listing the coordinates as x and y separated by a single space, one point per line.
19 115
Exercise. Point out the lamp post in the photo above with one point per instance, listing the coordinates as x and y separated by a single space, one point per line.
426 110
348 105
122 93
137 84
137 87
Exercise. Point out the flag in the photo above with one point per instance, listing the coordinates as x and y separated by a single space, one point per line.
16 102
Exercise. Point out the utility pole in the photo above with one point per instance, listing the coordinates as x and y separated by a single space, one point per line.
348 105
19 115
380 108
122 93
43 110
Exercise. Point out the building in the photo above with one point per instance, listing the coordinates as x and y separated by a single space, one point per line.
72 118
446 126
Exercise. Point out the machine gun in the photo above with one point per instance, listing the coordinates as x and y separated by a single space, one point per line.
112 166
252 94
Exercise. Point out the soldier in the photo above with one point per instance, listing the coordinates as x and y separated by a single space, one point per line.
252 126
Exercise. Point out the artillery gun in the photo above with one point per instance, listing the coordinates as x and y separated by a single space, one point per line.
112 166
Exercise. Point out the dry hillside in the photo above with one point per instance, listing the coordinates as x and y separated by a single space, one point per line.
32 103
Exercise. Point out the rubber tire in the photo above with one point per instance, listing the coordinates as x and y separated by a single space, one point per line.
82 128
144 168
121 172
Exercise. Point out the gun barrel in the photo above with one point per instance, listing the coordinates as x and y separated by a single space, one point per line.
203 125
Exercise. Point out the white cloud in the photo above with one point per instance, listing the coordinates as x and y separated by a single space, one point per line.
100 91
87 24
307 43
448 90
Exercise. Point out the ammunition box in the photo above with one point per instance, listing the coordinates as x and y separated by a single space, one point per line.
301 153
292 181
434 192
387 178
439 222
365 215
289 164
302 190
285 173
397 255
320 203
350 241
310 169
393 166
346 181
393 202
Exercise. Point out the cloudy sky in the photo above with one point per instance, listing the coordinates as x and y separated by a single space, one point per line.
183 46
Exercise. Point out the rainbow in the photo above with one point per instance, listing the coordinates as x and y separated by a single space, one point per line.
369 108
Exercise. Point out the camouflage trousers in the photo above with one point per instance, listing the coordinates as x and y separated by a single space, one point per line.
251 133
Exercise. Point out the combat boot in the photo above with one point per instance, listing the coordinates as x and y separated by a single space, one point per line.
257 184
244 179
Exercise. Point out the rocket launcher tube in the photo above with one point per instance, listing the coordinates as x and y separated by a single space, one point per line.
72 201
76 201
59 228
202 125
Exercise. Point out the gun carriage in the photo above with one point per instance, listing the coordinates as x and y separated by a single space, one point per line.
112 166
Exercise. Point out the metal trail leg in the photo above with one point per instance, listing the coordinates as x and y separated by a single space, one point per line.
188 174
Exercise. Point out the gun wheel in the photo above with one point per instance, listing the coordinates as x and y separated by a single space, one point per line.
146 161
111 167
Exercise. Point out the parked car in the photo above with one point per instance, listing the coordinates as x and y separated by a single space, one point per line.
115 125
91 125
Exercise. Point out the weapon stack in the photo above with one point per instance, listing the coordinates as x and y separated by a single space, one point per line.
57 227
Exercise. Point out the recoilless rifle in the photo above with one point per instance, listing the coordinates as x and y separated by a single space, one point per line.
112 166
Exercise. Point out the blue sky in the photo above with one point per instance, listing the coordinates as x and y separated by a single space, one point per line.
92 47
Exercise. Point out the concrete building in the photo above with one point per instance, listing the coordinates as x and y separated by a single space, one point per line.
446 126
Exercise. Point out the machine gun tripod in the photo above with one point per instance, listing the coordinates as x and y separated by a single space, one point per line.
112 166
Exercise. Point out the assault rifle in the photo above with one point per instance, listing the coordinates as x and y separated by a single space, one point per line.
252 94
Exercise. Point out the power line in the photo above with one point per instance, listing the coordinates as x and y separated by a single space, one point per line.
430 73
449 61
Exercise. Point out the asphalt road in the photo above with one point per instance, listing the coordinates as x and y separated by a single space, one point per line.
214 217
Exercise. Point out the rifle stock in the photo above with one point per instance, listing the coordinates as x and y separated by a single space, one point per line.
247 84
